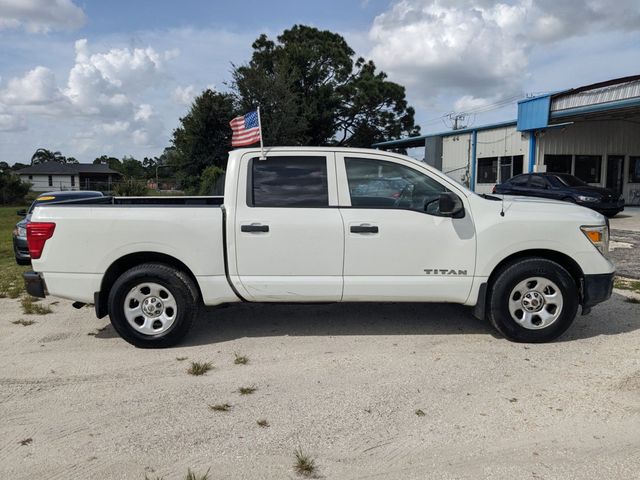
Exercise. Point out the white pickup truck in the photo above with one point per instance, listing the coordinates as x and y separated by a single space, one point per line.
323 225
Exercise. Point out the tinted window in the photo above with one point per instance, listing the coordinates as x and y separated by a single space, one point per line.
376 183
558 163
634 169
519 181
488 170
537 182
570 180
288 182
588 168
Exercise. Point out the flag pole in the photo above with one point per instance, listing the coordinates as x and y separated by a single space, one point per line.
262 156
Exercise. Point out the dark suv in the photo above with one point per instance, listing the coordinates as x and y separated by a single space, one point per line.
562 186
20 248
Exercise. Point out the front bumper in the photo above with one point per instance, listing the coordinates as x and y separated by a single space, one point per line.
34 284
596 289
21 248
604 207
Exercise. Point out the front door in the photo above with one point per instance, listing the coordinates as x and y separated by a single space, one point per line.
397 245
288 232
615 173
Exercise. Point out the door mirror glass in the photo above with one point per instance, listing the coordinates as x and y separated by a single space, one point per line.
21 213
450 205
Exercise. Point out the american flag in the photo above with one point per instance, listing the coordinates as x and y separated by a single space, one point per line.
246 130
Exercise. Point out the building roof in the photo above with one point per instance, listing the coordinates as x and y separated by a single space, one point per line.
57 168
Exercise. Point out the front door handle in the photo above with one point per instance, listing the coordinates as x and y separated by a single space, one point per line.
364 229
254 227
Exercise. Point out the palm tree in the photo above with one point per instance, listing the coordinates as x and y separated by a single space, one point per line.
42 155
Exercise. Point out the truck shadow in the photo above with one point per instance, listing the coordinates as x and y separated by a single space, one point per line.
230 322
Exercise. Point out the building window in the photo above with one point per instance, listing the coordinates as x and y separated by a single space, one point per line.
288 182
558 163
510 167
50 181
30 177
634 169
73 180
487 170
588 168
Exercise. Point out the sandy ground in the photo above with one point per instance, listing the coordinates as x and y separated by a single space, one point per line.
343 382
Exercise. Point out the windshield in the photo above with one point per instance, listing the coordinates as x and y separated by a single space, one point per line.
570 180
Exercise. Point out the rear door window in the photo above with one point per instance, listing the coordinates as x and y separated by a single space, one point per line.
537 182
296 181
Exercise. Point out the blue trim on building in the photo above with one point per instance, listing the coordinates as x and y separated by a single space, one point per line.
533 113
474 143
532 149
629 102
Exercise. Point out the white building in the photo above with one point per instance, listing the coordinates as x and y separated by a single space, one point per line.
50 176
592 132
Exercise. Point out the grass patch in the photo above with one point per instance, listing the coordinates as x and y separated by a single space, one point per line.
11 283
304 465
199 368
195 476
247 390
31 307
419 413
627 284
263 423
240 359
23 322
220 407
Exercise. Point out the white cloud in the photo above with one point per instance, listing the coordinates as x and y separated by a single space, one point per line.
36 87
12 123
184 95
40 16
479 49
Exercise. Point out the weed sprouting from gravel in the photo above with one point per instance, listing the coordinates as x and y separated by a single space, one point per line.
194 476
247 390
263 423
181 359
305 465
419 413
23 322
632 300
220 407
199 368
30 307
26 441
241 359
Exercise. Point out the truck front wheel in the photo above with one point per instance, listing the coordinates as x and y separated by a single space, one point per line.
533 300
153 305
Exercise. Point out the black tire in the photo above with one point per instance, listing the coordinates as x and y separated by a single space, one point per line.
180 287
515 274
23 261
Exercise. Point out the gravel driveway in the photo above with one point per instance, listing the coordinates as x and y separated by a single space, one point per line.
391 391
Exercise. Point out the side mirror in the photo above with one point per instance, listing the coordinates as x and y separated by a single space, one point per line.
450 204
21 213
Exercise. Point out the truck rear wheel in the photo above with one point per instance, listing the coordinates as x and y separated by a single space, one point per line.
533 300
153 305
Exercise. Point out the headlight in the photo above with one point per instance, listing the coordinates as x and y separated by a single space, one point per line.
584 198
598 236
20 232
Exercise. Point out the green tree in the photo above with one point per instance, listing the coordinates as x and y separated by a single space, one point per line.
130 167
112 162
210 181
12 189
42 155
307 78
203 138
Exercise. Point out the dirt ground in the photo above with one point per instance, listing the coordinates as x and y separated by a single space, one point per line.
391 391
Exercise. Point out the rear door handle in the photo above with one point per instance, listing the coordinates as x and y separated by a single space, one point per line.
364 229
254 227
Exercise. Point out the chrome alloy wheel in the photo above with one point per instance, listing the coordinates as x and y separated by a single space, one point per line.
150 308
535 303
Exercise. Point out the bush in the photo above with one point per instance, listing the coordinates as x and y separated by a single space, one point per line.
130 187
12 189
211 181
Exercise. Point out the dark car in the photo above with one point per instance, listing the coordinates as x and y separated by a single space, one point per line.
20 248
562 186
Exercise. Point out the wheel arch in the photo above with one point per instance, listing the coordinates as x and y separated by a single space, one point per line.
560 258
124 263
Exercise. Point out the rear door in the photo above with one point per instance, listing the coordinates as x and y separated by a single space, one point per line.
288 229
395 248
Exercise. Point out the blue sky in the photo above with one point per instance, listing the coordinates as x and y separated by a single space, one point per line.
113 77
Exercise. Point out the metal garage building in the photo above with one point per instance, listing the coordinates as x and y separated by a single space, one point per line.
592 132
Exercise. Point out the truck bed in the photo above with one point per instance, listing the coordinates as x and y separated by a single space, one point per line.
173 200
